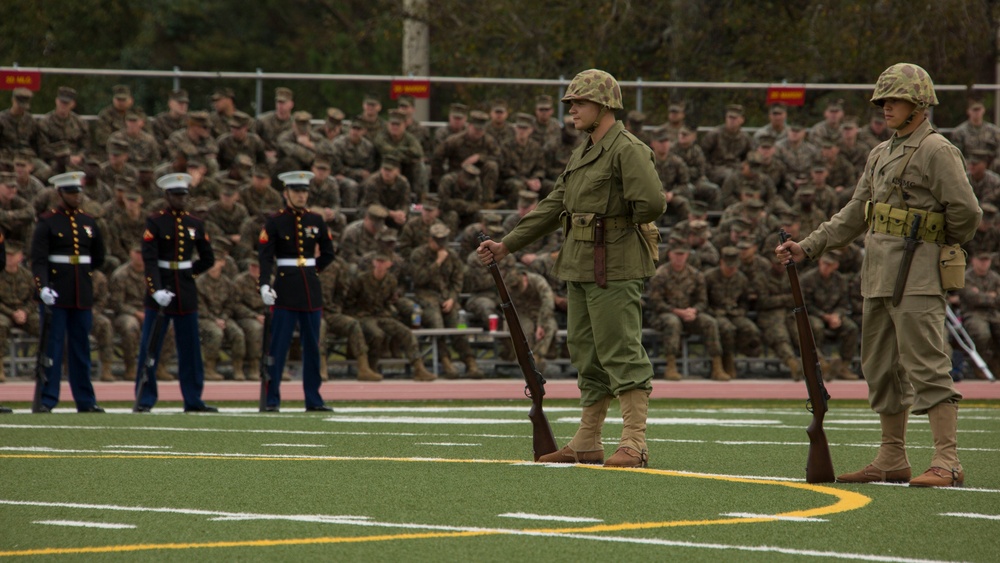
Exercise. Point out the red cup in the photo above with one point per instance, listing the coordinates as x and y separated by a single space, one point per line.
494 323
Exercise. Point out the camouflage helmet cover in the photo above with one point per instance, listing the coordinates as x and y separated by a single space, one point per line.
596 86
905 81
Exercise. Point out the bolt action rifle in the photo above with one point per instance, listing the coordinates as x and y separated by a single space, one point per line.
819 467
543 441
42 360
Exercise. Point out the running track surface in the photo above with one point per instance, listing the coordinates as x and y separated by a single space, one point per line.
407 390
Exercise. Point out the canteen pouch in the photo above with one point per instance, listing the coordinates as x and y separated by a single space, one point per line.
651 238
583 226
952 266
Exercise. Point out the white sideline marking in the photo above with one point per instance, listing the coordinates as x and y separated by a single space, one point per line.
690 421
773 517
972 515
294 445
80 524
446 444
365 522
527 516
425 420
138 447
485 408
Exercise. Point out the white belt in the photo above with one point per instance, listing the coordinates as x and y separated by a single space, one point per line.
167 265
297 262
64 259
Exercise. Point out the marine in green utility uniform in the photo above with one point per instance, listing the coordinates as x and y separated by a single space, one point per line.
610 182
904 352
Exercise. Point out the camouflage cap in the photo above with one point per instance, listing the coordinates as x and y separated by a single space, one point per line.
777 108
387 236
635 116
135 114
492 218
322 161
524 120
22 94
282 94
979 155
179 95
833 256
121 92
543 101
905 81
677 244
697 207
240 119
242 161
676 107
229 186
371 99
981 254
405 101
730 255
118 146
396 116
788 216
478 118
302 116
334 115
199 118
698 226
390 160
975 103
663 134
595 86
734 109
766 141
526 198
223 92
262 170
7 179
65 94
431 202
376 211
458 109
439 231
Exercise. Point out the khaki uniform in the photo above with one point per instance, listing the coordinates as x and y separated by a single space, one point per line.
615 178
913 333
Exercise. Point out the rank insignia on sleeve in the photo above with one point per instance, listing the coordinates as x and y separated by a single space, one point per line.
147 236
263 236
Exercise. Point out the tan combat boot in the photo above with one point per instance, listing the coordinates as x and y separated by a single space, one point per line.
891 464
238 373
586 446
945 470
106 357
420 372
729 364
841 371
824 366
670 372
718 374
162 374
365 371
210 373
472 370
447 369
795 368
632 450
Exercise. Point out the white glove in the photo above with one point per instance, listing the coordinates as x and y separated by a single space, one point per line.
268 295
48 296
163 297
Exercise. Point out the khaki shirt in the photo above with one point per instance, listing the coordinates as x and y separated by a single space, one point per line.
615 178
934 180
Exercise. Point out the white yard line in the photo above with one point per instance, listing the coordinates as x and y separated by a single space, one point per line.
126 446
773 517
364 522
80 524
972 515
548 518
446 444
295 445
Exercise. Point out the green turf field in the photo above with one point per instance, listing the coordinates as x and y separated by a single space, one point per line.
447 482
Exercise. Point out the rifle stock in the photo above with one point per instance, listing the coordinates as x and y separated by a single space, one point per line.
265 361
543 440
42 360
819 465
146 371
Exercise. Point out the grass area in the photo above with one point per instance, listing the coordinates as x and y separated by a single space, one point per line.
445 482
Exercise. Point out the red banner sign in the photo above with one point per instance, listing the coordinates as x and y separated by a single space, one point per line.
10 79
788 95
412 88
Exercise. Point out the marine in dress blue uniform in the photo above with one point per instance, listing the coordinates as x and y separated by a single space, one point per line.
65 247
172 238
288 253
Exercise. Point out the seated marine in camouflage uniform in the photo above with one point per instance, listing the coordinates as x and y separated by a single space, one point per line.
17 293
728 292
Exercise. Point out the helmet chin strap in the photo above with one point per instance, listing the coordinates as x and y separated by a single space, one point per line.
597 120
913 114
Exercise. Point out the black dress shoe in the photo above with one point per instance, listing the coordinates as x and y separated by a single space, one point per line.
203 408
41 409
91 408
142 409
270 409
321 408
5 410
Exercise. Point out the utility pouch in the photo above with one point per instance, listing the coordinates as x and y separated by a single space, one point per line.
897 222
952 266
651 238
583 226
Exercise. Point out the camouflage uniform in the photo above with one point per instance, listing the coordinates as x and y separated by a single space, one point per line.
18 132
372 302
17 220
229 148
229 220
449 155
536 302
411 157
357 240
349 159
269 127
101 329
830 296
396 197
774 316
215 303
981 312
292 154
462 197
414 233
483 299
126 291
670 289
164 125
247 307
261 202
727 302
798 158
17 292
336 282
206 147
520 162
73 131
432 285
724 151
968 137
109 120
143 149
987 188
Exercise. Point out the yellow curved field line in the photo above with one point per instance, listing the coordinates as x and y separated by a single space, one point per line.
845 501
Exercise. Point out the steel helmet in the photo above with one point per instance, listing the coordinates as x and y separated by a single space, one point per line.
905 81
596 86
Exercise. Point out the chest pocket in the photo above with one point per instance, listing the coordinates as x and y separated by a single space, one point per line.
593 188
